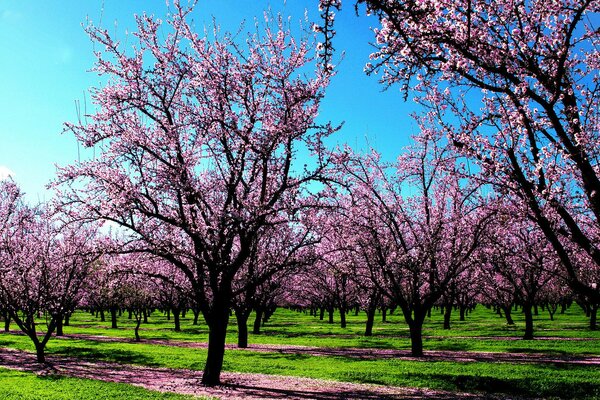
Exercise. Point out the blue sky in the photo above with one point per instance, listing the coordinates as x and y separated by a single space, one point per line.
45 57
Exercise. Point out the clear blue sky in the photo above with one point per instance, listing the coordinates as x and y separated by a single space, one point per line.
45 57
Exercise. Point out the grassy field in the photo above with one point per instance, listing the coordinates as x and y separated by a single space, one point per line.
482 331
16 385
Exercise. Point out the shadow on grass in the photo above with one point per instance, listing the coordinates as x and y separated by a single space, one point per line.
115 355
518 387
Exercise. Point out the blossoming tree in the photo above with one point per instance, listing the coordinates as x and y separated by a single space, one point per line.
195 140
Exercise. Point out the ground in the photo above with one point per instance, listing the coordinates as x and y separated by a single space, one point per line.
299 356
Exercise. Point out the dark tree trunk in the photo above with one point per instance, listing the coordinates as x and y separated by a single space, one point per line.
593 317
196 315
384 314
102 318
342 317
217 324
258 320
330 312
168 314
59 325
447 315
462 312
528 322
416 338
370 319
535 310
508 315
67 319
113 318
138 320
242 324
176 313
356 311
145 314
39 352
6 316
321 313
130 316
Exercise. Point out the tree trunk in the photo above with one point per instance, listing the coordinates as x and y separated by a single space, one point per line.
145 314
330 312
102 318
321 313
528 322
130 316
176 313
113 318
137 327
242 324
39 352
67 319
593 317
508 315
370 320
416 338
217 324
258 320
462 313
59 325
447 315
384 314
168 314
196 315
6 316
342 317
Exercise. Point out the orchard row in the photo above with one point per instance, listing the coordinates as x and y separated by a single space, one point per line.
196 171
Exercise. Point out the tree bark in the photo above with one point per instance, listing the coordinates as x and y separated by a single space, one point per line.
528 322
447 315
593 317
508 315
242 324
176 313
330 312
113 318
416 338
370 320
217 324
258 320
40 353
342 317
59 325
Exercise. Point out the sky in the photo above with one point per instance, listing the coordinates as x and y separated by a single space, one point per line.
46 57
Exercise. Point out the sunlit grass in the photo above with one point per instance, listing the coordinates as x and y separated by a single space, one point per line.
480 332
16 385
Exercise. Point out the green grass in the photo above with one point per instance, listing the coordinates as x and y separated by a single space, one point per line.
289 327
292 328
16 385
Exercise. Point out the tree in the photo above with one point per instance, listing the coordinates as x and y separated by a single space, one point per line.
519 260
416 224
515 86
44 265
195 143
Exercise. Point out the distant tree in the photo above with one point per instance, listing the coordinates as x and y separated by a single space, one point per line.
44 265
416 224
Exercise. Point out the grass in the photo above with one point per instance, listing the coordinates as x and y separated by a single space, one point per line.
288 327
16 385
